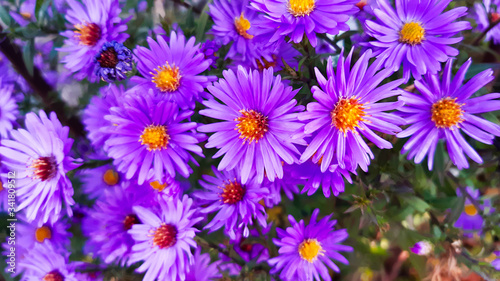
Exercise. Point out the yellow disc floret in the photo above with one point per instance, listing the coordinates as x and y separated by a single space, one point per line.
242 25
252 125
167 78
310 249
155 137
347 114
446 113
300 8
412 33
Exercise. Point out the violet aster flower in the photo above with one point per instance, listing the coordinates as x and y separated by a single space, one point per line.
4 188
416 34
209 49
471 221
43 262
496 263
96 22
236 203
113 62
172 70
8 109
30 234
348 109
294 17
147 133
259 117
271 57
422 248
98 107
112 216
201 269
96 181
487 13
288 185
164 238
443 109
306 252
39 156
166 188
234 21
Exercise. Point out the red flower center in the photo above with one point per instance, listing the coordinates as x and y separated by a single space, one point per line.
44 168
108 59
130 220
232 193
88 33
53 276
165 236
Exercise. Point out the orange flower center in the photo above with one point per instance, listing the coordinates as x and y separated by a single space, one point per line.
53 276
158 186
167 78
155 137
43 233
264 64
232 193
446 113
347 114
242 25
252 125
88 33
165 236
470 210
361 4
300 8
111 177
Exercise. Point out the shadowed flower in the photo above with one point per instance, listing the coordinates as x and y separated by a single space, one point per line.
164 238
306 252
202 269
147 133
486 13
8 109
443 109
236 204
113 62
470 220
293 18
39 155
95 22
172 70
416 34
422 248
259 117
96 181
43 262
348 108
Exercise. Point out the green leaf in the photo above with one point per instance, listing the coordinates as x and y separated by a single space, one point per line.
456 210
38 6
477 68
202 23
4 15
28 55
417 203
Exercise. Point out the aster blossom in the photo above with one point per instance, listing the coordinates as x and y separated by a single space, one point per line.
416 34
43 262
236 204
96 22
96 181
164 238
470 220
40 157
347 108
443 109
113 62
8 109
259 117
293 18
306 251
486 13
202 269
172 70
148 133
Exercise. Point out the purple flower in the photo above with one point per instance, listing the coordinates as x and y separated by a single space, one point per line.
294 17
164 238
306 252
43 262
260 116
147 133
470 220
234 22
288 184
443 109
172 70
39 157
4 188
96 181
422 248
31 234
112 216
8 109
416 34
483 12
348 109
271 57
201 269
209 49
98 107
26 13
167 188
236 203
96 22
113 62
496 263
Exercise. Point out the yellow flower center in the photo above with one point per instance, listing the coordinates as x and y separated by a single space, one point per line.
242 26
412 33
43 233
252 125
300 8
111 177
158 186
155 137
470 210
167 78
347 114
88 33
310 249
446 113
